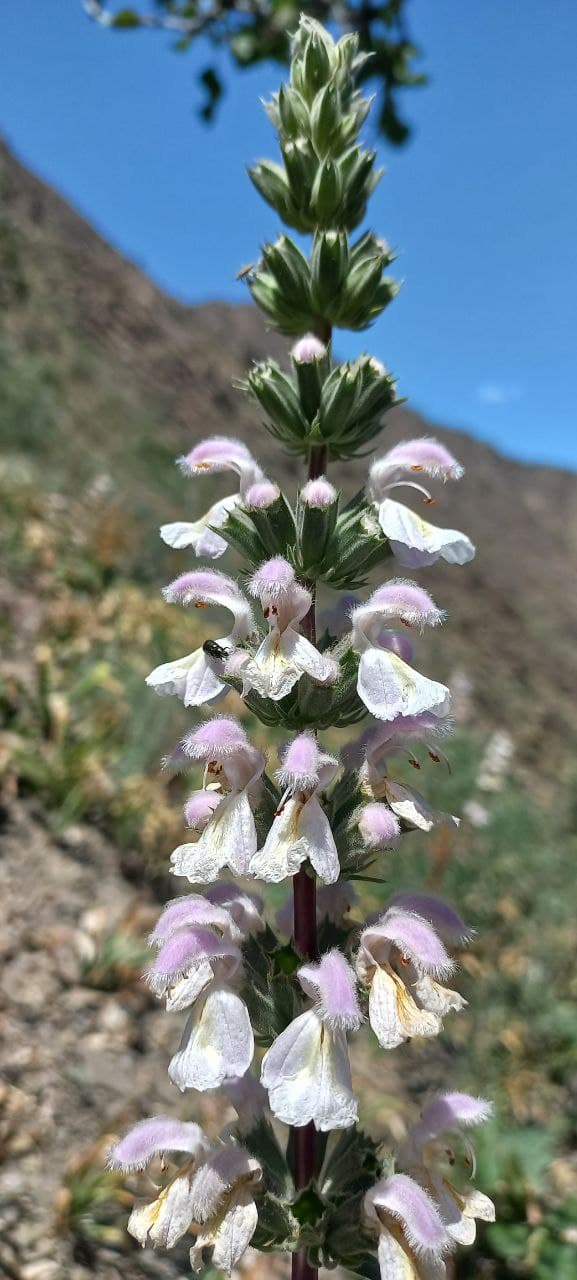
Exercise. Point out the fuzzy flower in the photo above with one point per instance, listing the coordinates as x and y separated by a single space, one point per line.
306 1071
284 656
210 457
168 1218
414 541
412 1237
195 678
224 1212
308 349
400 958
379 827
318 493
437 1150
300 829
229 836
387 685
392 738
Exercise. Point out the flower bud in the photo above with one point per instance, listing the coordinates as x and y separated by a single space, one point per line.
318 493
262 495
378 826
308 349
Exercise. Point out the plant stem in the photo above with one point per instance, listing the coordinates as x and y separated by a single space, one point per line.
305 941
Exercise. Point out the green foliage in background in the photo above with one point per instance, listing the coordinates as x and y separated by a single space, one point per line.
254 32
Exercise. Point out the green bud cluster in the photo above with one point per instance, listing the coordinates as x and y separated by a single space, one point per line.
339 408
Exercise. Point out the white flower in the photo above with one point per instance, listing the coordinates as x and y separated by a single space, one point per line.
224 1210
229 836
195 678
300 829
217 1042
414 541
399 959
210 457
284 655
437 1150
306 1071
388 686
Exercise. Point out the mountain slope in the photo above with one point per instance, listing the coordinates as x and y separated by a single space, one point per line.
104 380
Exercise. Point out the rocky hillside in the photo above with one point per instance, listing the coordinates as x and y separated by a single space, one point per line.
104 379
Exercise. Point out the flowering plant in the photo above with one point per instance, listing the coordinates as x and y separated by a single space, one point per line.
328 1195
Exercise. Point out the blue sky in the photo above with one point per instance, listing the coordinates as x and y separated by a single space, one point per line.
482 204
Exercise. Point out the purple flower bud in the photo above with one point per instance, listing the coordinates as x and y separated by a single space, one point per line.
318 493
154 1137
378 826
261 495
332 985
308 349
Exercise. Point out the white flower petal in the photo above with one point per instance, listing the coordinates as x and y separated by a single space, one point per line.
390 688
307 1075
284 850
395 1260
166 1220
217 1043
393 1014
187 990
416 543
193 679
321 850
229 839
437 999
412 808
319 666
235 1231
199 534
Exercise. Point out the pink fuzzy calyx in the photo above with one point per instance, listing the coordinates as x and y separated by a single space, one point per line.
308 349
318 493
378 826
413 937
155 1137
401 1198
304 765
331 984
216 739
261 495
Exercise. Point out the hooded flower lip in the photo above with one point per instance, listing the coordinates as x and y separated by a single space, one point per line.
400 958
387 686
229 837
443 918
306 1071
285 655
424 456
195 678
188 949
154 1138
412 1235
428 1152
414 541
210 457
191 910
300 829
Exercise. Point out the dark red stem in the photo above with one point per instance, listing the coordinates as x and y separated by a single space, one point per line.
305 941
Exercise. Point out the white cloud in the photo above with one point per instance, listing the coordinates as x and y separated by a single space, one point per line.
499 393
